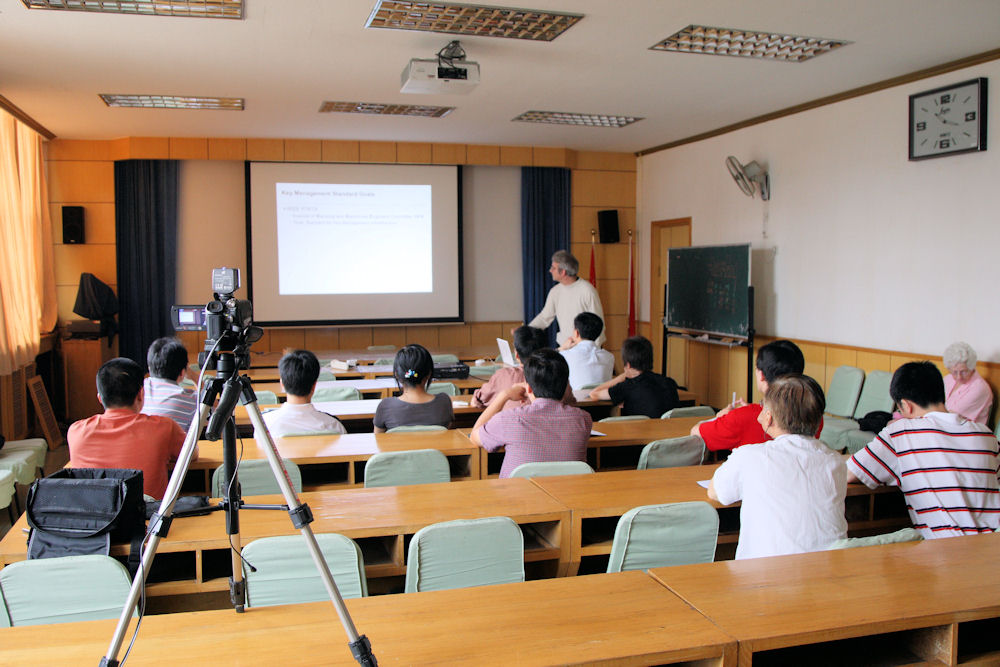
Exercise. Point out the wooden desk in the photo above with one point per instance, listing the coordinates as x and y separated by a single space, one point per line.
466 354
356 416
597 502
620 619
937 600
370 388
381 520
339 460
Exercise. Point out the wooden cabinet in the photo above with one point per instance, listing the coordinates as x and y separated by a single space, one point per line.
80 360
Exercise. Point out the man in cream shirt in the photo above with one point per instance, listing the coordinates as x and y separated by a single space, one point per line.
570 297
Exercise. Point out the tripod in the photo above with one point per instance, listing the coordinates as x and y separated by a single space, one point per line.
233 387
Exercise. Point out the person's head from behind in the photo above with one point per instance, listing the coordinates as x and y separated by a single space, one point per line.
119 382
413 366
794 404
564 265
637 353
588 325
916 387
527 340
299 370
960 360
547 373
167 358
776 359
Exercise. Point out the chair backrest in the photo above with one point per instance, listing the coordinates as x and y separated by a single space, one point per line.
625 418
444 358
381 348
324 394
466 552
7 488
551 469
383 361
418 466
661 535
690 411
903 535
592 385
842 395
257 478
442 388
874 394
688 450
416 428
326 376
484 371
287 574
266 397
64 590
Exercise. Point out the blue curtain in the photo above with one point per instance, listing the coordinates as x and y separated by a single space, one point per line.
545 219
146 230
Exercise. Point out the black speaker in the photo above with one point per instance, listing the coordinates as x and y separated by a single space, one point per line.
72 224
607 226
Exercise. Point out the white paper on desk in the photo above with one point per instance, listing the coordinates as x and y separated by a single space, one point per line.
460 404
703 483
506 355
593 433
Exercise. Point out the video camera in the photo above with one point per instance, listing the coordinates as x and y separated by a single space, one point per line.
227 320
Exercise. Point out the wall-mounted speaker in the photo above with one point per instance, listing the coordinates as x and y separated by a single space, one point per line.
607 226
72 224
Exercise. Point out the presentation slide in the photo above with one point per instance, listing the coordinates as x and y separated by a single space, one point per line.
354 243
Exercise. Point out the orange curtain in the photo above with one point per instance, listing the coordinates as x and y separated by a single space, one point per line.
27 278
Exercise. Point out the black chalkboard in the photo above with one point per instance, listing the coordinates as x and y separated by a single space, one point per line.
707 290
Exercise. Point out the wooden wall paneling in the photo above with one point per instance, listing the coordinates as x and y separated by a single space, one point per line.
737 374
506 328
454 336
697 370
325 338
377 151
584 219
718 375
72 181
479 154
188 148
837 357
227 149
340 151
148 148
597 160
617 330
303 150
677 364
282 338
78 149
426 336
120 149
72 260
355 338
868 361
897 359
515 156
815 355
81 359
486 333
389 336
542 156
611 258
604 189
448 154
414 153
265 149
614 296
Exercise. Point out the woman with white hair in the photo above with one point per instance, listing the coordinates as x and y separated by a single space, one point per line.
966 392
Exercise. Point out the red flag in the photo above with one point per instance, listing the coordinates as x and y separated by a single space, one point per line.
593 264
631 289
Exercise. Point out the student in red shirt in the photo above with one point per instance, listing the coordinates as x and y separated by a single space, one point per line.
737 424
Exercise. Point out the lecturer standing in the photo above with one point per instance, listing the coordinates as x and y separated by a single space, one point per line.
570 297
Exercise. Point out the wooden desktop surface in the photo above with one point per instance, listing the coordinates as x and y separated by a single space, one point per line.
620 619
376 387
466 354
769 603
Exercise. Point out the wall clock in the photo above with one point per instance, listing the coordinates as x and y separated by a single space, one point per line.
948 120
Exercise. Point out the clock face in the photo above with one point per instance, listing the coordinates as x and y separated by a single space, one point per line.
948 120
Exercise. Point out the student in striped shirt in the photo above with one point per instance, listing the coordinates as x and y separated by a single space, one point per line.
167 359
945 465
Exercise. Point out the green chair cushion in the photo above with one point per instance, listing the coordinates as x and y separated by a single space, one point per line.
325 394
874 394
662 535
688 450
257 478
418 466
21 463
690 411
903 535
624 418
36 445
551 469
7 488
447 388
287 574
842 395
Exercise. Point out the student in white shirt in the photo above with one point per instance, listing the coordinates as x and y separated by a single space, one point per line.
793 486
588 364
299 370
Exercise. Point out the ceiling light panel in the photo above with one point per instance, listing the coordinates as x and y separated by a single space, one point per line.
173 102
209 9
386 109
481 20
746 43
571 118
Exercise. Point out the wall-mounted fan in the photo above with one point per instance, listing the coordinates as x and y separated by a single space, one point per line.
748 174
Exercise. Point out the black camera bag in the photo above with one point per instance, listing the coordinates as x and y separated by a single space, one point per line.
77 511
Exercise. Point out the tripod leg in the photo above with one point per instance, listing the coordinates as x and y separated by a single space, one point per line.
301 518
158 527
231 493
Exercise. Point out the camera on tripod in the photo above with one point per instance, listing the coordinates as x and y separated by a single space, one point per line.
227 320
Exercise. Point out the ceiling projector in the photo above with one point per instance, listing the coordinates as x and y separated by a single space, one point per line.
434 77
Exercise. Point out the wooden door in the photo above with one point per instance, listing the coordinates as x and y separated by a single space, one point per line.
666 234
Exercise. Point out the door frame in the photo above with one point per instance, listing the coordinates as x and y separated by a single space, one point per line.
656 288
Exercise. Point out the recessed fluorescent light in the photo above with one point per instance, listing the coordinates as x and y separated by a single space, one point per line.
207 9
173 102
746 43
570 118
481 20
386 109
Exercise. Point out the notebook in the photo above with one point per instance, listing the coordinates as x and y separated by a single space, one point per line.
506 355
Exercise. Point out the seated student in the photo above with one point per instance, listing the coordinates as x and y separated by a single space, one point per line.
167 359
545 430
792 487
121 437
639 390
588 364
299 370
413 368
526 340
737 424
945 465
966 392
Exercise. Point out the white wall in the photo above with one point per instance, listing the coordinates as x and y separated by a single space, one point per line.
858 245
212 233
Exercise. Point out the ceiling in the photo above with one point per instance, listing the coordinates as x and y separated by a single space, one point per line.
288 56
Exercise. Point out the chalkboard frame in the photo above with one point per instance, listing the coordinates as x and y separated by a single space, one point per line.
739 288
